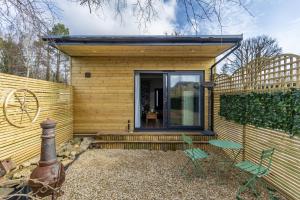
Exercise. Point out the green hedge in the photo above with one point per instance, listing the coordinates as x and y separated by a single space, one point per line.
279 110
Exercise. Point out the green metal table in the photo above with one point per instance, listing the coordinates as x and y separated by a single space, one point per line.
234 147
225 144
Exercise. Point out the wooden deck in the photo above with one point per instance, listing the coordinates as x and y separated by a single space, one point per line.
152 140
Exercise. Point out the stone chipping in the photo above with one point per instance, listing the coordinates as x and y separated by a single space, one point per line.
143 174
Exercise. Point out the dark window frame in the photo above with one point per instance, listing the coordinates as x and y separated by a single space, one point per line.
166 88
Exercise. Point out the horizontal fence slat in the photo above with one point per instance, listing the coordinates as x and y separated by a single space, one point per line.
56 103
264 75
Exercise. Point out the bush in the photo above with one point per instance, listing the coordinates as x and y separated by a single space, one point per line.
278 110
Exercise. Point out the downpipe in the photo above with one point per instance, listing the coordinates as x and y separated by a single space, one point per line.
211 89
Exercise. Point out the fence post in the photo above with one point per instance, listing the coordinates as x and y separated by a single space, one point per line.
244 141
244 125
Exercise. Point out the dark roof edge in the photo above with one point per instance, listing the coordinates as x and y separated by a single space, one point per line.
151 39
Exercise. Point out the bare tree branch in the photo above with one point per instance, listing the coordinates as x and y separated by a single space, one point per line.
251 49
25 14
196 11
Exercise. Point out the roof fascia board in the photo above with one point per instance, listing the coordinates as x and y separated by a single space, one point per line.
137 44
144 39
145 36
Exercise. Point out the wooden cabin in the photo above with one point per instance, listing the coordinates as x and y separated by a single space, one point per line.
141 83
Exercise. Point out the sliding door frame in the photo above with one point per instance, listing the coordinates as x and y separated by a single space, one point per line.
200 103
166 99
139 72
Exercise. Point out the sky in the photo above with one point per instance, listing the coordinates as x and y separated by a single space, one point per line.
279 19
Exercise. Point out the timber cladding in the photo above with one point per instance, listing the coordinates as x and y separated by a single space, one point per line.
105 101
55 102
277 74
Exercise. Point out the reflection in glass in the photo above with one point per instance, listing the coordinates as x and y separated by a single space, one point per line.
184 100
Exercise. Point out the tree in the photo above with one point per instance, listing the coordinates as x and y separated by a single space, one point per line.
28 14
59 29
25 21
194 11
251 49
11 58
24 54
40 15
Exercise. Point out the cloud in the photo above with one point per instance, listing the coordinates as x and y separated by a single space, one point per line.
234 20
288 38
295 21
105 21
81 21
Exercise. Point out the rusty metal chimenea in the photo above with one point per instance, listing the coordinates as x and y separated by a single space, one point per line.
47 178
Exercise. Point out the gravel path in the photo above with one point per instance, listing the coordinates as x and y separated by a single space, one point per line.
140 174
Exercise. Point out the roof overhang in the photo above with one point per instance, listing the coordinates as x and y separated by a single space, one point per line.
174 46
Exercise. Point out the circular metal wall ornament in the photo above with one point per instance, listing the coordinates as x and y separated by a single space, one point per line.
21 108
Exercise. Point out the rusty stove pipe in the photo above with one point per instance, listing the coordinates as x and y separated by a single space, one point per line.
49 172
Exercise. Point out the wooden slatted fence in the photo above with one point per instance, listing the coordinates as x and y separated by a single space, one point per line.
55 101
264 75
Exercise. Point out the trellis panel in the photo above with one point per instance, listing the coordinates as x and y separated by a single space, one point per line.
264 75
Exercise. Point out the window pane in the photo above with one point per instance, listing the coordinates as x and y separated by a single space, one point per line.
184 100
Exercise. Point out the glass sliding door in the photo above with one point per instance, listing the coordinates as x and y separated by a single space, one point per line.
185 100
137 101
169 100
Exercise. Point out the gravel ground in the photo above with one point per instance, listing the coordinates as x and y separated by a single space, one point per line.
143 174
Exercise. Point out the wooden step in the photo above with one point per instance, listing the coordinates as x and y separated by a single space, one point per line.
146 141
150 142
163 140
146 133
146 138
149 145
155 134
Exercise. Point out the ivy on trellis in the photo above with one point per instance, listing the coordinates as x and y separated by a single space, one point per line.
278 110
232 107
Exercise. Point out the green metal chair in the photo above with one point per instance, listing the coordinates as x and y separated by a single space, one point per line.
256 170
272 193
194 155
